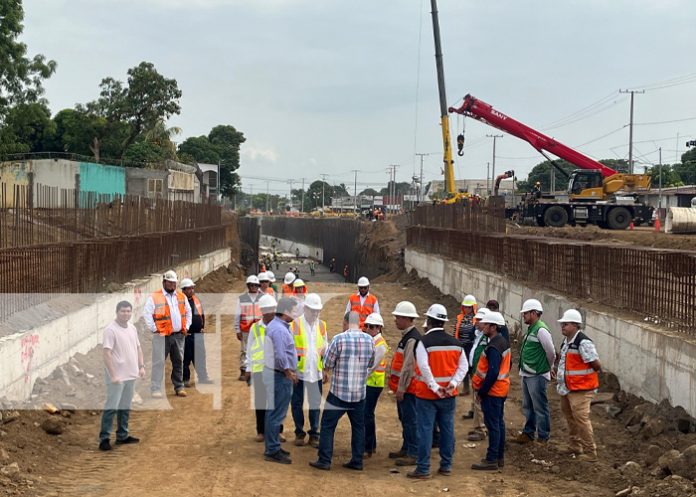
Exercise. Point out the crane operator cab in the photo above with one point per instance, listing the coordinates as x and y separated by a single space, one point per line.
586 184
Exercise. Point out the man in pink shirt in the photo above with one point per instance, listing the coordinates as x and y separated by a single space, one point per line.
123 360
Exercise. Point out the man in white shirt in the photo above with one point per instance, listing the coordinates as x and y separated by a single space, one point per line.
310 337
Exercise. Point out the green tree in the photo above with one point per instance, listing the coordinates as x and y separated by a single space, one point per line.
200 148
20 76
369 191
27 128
145 153
401 188
670 176
542 173
80 131
689 157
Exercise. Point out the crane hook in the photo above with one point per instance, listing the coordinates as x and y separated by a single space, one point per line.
460 145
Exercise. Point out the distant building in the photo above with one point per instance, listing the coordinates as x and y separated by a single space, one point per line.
210 180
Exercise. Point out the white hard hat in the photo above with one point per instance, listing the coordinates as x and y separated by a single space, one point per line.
481 313
298 283
263 276
252 280
469 301
186 283
289 278
267 302
271 276
571 316
313 301
363 281
495 318
531 305
437 311
405 309
170 276
374 318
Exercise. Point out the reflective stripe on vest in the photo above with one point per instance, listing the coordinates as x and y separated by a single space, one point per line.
365 309
376 378
258 337
300 335
395 372
443 361
162 315
501 387
533 358
199 307
578 375
249 313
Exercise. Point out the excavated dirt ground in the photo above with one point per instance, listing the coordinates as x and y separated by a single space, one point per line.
194 449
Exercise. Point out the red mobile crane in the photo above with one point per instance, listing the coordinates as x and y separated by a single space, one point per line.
598 194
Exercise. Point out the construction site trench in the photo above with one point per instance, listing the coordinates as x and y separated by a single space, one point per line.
203 445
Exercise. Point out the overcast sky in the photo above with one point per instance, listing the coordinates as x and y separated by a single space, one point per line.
328 86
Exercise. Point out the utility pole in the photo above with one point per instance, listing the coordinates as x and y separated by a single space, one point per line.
488 177
552 180
630 130
302 206
659 201
267 194
392 183
291 182
495 138
323 182
420 189
355 191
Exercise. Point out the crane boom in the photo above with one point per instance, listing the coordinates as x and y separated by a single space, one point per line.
484 112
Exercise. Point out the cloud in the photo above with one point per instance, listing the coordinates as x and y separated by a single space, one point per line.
255 152
210 4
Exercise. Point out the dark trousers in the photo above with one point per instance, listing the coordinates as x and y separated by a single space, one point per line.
194 352
314 400
406 410
432 413
371 399
171 346
334 409
493 416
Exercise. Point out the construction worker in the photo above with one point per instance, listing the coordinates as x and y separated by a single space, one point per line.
464 331
537 355
363 302
375 379
194 346
272 279
402 381
442 365
248 313
492 384
577 382
310 341
286 290
493 305
255 361
478 431
536 191
167 315
265 282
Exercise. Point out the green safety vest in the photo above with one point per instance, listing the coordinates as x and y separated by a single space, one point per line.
258 332
533 357
376 378
300 336
478 350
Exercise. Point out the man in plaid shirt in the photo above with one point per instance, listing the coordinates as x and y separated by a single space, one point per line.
350 355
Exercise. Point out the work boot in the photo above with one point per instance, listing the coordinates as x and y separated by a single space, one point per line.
299 440
181 393
105 444
476 436
522 438
398 454
128 440
588 457
570 451
242 376
485 465
278 457
406 461
314 441
418 476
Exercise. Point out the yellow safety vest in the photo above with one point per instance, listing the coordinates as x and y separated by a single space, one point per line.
298 331
376 378
258 332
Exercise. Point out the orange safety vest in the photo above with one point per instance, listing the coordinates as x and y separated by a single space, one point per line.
579 376
286 290
501 387
443 358
365 309
162 314
199 307
270 291
460 317
249 313
398 363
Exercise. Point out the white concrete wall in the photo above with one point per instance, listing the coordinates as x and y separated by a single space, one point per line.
55 172
290 246
648 362
30 354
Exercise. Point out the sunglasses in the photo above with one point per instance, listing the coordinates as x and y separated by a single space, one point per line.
372 326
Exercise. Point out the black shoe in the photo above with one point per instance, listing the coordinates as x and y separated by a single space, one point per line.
318 465
353 465
397 455
468 415
444 472
501 463
105 445
278 457
284 452
418 476
485 466
406 461
128 440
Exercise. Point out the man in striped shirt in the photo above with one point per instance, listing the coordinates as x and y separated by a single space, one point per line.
350 356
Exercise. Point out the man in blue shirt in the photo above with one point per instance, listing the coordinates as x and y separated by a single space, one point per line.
279 375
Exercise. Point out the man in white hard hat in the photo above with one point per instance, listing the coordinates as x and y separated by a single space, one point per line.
194 349
363 302
465 331
478 431
375 379
492 385
537 357
248 312
311 341
577 382
402 381
167 315
272 278
286 290
442 364
265 282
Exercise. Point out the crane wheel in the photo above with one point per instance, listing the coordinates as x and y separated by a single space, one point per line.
556 216
619 218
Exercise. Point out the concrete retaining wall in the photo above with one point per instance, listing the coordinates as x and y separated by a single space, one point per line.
290 246
647 361
35 353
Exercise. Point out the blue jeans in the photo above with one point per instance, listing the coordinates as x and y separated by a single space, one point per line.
171 346
494 418
535 406
406 410
371 399
440 411
194 352
118 403
314 400
334 409
278 393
